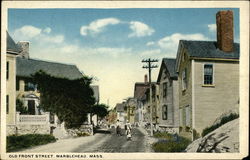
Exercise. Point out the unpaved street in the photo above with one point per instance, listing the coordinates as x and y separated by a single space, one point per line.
103 141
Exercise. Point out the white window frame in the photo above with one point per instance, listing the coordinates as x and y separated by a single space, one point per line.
203 77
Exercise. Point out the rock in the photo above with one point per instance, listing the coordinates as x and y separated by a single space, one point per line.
223 139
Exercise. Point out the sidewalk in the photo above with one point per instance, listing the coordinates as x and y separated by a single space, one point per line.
64 145
149 140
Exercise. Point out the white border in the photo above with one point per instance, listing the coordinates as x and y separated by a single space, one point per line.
244 65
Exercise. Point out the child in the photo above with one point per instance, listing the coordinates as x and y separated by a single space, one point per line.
129 135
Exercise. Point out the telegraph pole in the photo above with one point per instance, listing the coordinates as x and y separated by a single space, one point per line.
150 66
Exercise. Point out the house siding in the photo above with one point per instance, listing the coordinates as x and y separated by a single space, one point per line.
168 100
176 102
11 88
211 102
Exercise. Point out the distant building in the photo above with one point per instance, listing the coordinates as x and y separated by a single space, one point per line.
121 112
140 89
208 74
168 105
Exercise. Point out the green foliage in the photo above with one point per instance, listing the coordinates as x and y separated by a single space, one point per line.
164 135
82 134
196 134
100 109
224 120
170 143
15 143
70 100
20 107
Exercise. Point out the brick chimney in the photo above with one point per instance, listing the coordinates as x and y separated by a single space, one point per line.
225 33
24 47
146 79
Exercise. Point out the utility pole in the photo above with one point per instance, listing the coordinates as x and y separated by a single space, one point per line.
150 66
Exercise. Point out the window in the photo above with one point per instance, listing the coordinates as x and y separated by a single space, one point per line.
7 104
165 112
181 118
165 87
188 116
30 86
7 70
184 79
208 74
17 84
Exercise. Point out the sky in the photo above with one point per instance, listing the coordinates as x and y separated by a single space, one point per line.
109 44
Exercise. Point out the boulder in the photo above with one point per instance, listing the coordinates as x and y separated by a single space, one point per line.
223 139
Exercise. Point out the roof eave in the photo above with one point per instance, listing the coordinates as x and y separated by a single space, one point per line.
216 59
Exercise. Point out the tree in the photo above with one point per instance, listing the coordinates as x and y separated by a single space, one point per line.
20 107
70 100
101 110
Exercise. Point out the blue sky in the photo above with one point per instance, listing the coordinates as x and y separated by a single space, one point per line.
110 43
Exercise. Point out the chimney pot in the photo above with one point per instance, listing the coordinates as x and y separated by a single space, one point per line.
146 79
24 46
225 33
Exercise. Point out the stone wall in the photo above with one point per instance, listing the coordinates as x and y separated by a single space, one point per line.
33 129
21 129
83 130
11 129
171 130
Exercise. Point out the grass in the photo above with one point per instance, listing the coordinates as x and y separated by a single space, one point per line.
15 143
224 120
170 143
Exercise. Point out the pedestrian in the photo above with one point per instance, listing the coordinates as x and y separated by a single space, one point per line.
129 134
118 130
127 127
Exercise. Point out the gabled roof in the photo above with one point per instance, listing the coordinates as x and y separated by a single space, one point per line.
169 64
119 107
206 49
140 89
95 89
27 67
12 47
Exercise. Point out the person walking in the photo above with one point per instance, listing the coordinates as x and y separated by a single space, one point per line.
128 130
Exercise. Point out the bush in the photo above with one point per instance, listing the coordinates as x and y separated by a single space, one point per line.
15 143
178 144
82 134
164 135
223 120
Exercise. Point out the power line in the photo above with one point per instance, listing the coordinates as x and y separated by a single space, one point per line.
150 66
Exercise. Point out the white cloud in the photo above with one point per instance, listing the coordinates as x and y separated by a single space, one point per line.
153 52
52 39
98 26
31 33
151 43
140 29
47 30
171 42
26 32
212 27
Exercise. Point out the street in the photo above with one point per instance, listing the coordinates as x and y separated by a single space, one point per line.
102 141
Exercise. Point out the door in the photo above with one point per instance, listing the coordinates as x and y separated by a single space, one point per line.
31 107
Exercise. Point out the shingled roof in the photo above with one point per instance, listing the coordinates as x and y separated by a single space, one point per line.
11 45
140 90
169 64
27 67
209 49
205 50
